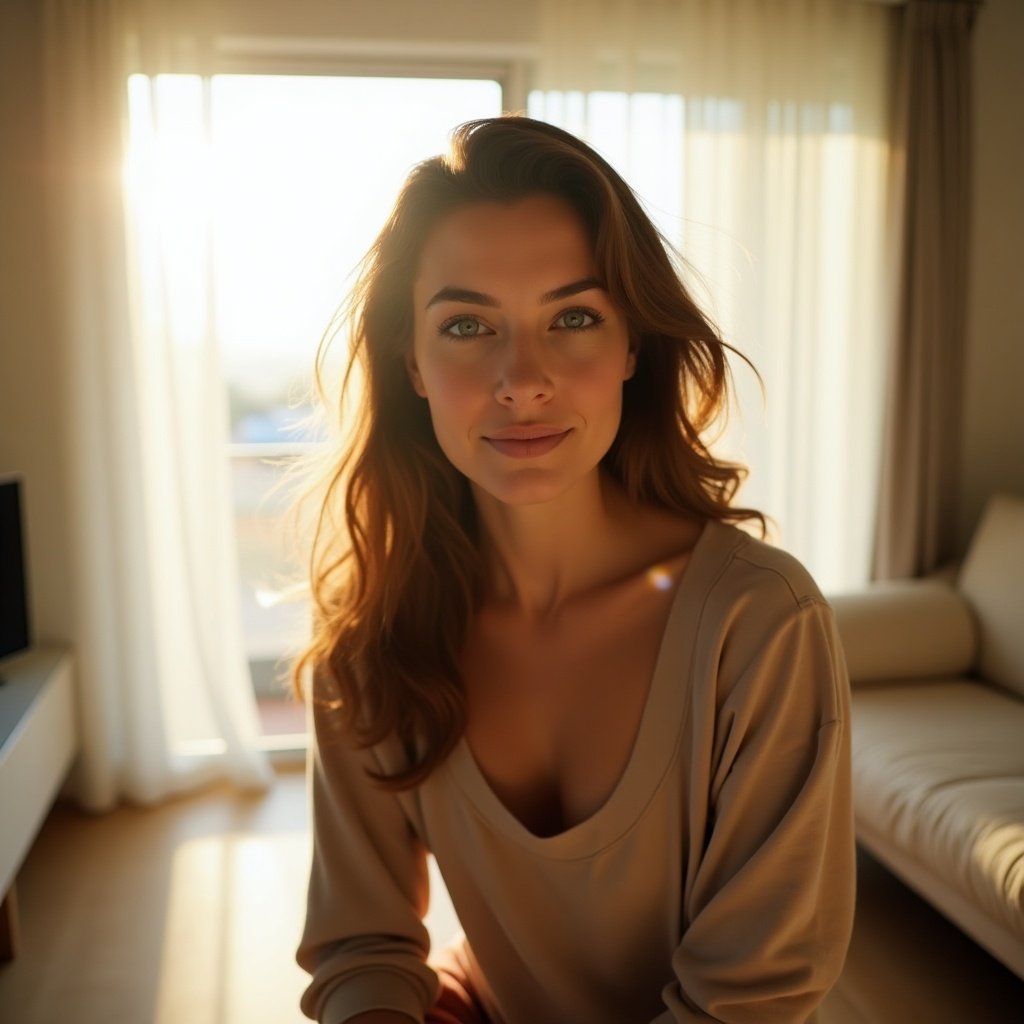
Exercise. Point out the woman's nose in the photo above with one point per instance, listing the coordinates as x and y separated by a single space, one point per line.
523 378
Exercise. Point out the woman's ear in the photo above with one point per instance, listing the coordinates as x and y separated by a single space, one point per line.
414 374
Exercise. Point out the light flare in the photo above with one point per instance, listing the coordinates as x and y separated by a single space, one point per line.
659 577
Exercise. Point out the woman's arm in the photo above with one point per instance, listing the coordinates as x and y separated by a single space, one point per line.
364 941
769 906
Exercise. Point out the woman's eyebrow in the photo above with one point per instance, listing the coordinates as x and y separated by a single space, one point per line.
450 294
583 285
453 294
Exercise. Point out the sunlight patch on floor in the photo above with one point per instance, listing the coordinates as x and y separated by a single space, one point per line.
234 903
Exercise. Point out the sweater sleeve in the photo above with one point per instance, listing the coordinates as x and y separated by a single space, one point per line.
364 941
769 902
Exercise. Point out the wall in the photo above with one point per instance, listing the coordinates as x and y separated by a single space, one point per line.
31 417
992 452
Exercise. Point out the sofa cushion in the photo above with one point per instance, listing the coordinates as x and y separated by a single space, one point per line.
992 580
939 769
905 629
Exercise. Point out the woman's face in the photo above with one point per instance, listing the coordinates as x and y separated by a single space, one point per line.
517 348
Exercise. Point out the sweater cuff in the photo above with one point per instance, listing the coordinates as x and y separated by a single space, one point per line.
373 990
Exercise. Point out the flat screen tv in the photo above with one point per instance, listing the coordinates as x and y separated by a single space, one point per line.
14 626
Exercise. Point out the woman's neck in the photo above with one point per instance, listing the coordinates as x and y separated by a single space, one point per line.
537 557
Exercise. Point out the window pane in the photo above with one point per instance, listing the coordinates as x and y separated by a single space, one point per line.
272 624
307 170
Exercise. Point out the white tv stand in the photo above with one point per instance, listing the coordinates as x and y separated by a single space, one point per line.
38 741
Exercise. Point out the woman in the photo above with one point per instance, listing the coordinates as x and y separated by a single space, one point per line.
544 653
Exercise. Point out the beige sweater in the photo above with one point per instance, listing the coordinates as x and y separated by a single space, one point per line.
716 883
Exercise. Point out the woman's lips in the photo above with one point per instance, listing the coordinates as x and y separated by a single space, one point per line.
528 443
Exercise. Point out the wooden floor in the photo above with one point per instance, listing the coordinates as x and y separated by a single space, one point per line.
189 914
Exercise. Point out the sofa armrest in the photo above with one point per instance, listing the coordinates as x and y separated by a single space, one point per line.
905 629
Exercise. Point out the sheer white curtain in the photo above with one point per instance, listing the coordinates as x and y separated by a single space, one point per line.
166 701
755 131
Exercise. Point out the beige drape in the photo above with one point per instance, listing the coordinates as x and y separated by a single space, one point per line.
165 695
929 217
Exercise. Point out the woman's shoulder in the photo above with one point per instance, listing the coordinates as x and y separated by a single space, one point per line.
748 584
745 562
761 607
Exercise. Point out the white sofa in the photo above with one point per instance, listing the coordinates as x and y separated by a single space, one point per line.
937 668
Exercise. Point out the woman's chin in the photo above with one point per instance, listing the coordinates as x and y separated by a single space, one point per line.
525 489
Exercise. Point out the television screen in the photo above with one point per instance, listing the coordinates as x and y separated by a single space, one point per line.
13 597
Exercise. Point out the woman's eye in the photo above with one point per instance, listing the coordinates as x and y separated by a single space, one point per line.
463 327
578 319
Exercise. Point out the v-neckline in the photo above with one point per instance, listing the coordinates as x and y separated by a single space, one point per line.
653 746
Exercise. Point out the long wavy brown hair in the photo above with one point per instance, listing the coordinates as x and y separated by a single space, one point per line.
394 567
